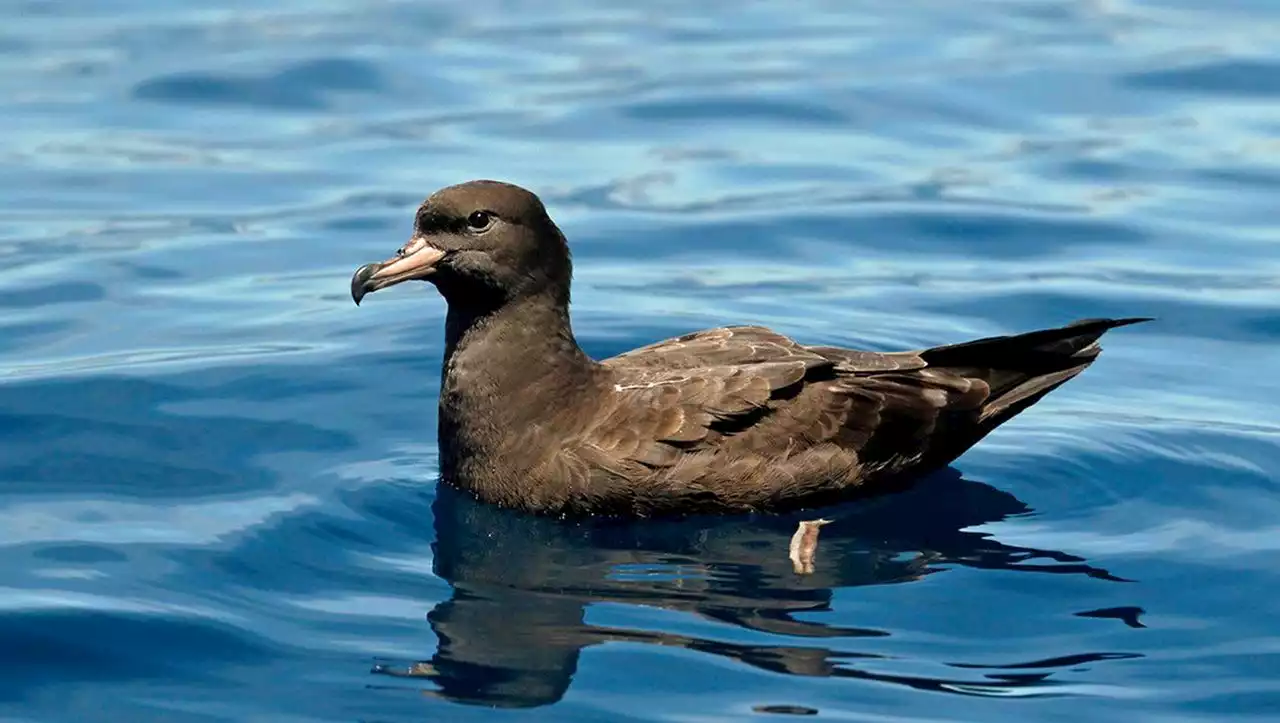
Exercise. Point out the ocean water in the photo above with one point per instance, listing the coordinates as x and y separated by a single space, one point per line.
217 475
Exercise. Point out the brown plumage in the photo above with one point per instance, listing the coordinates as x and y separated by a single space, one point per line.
722 420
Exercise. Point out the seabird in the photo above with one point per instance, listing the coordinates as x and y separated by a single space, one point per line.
725 420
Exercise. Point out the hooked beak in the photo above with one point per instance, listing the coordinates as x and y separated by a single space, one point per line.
417 259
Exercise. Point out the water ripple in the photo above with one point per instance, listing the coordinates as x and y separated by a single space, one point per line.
220 494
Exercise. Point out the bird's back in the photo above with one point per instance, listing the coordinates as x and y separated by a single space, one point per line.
743 418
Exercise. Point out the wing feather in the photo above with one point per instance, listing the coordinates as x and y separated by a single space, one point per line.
752 393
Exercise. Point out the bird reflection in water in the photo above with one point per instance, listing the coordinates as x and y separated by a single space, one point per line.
514 628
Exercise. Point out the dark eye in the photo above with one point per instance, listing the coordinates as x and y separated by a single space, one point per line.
479 220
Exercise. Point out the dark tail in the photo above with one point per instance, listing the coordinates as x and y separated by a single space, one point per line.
1022 368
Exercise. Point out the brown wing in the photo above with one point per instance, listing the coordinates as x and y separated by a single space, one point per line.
656 416
736 345
729 345
752 391
896 419
682 395
745 418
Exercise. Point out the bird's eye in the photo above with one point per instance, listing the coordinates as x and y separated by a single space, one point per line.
479 220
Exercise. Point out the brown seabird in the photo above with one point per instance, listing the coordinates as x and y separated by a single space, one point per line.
731 419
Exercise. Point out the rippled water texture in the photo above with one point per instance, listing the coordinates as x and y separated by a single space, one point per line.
219 498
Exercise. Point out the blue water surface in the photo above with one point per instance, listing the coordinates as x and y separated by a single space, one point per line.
218 475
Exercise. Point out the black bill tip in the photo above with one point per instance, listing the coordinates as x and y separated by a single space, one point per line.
360 281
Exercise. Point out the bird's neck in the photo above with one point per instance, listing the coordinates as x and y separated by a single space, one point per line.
508 371
523 336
